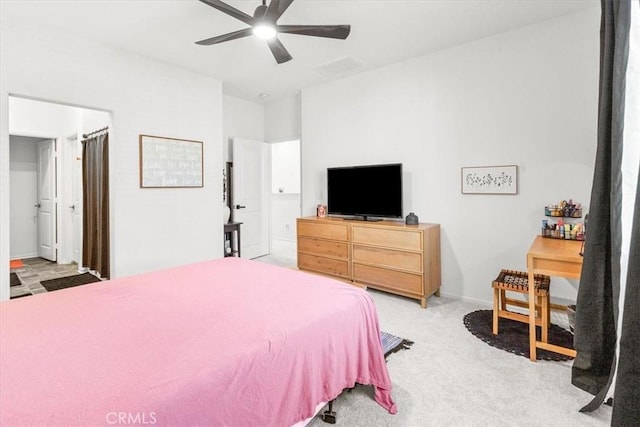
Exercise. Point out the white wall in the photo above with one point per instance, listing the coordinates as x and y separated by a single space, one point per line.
242 119
41 119
282 119
93 120
527 97
23 178
150 228
285 208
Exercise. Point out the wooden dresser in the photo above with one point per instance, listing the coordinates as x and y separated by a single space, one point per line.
385 255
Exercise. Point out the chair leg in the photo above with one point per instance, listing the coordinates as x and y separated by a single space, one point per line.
496 297
503 299
545 318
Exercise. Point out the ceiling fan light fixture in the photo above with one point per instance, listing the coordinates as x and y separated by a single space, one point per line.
264 31
264 25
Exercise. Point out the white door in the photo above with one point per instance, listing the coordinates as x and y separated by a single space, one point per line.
250 195
76 200
46 200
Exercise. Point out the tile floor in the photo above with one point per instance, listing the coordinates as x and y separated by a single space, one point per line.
36 270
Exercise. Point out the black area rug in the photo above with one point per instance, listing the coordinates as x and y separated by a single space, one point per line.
392 343
14 280
69 281
514 336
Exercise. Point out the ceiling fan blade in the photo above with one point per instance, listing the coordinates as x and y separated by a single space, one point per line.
329 31
230 10
226 37
278 50
276 9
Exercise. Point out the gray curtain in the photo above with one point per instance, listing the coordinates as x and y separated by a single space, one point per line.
599 289
95 191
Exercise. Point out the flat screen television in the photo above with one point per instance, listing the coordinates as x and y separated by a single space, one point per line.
369 192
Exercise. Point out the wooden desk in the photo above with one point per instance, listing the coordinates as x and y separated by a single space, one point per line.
553 257
229 229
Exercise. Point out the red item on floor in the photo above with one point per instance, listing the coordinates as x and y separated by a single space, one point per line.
16 263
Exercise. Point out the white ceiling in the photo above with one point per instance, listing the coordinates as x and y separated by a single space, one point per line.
382 32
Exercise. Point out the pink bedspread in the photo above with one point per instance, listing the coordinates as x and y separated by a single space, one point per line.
228 342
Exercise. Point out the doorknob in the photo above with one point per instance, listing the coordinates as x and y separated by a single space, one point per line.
37 205
240 207
72 207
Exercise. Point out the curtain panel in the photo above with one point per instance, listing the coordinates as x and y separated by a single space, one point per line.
626 398
599 289
95 191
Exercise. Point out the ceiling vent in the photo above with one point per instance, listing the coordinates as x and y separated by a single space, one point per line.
340 67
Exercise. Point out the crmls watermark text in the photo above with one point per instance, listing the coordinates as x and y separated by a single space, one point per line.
131 418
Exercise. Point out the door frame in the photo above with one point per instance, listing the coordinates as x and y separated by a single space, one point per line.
270 195
5 252
65 156
70 180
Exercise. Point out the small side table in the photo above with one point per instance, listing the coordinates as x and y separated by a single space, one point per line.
232 234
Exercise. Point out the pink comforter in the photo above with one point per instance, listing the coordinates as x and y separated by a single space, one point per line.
227 342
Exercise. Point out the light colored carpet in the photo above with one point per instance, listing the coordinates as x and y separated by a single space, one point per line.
451 378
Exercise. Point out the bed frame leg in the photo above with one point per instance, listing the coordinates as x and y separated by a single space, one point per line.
329 416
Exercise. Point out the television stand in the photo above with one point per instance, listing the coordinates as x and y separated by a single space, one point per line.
386 255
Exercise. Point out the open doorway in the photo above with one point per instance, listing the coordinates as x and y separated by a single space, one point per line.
285 200
26 235
45 162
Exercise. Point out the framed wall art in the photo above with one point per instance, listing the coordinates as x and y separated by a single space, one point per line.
170 162
490 180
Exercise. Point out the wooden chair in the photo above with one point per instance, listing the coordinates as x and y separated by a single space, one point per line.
518 281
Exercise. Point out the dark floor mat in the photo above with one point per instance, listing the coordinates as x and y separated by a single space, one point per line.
14 280
69 281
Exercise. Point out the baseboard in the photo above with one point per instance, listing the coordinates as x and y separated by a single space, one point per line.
468 299
277 239
24 256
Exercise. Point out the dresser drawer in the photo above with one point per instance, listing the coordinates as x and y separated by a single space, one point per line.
395 280
323 230
390 238
388 258
323 247
323 265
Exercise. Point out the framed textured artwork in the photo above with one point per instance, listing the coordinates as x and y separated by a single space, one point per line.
170 162
490 180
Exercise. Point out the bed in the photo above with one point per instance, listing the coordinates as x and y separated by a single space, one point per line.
224 342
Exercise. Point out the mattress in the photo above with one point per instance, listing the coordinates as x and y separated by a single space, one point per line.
224 342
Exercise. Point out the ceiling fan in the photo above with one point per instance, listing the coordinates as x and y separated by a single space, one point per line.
264 25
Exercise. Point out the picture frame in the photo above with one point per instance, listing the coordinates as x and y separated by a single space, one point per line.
490 180
170 162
